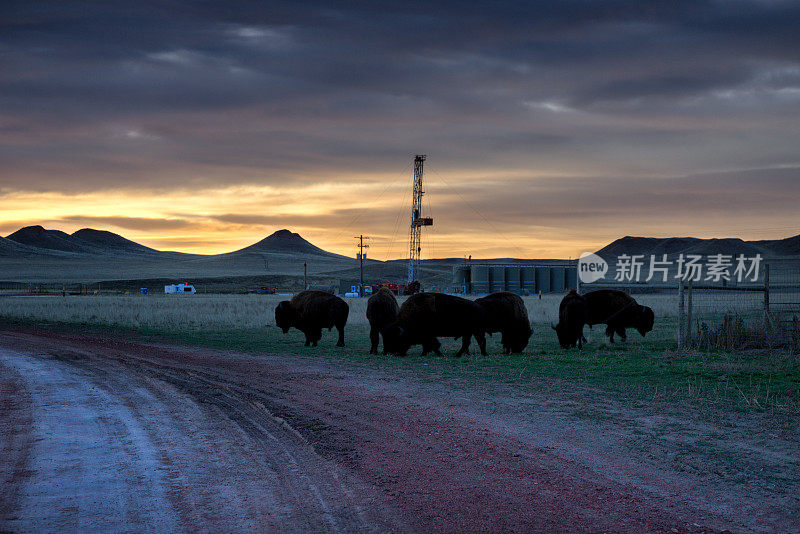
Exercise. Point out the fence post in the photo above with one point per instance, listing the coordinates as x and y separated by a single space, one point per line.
766 287
689 313
681 313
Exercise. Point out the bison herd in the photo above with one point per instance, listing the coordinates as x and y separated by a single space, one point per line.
424 317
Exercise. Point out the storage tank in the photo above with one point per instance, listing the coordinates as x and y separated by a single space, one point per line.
557 279
571 278
497 278
528 278
461 276
543 279
480 279
513 279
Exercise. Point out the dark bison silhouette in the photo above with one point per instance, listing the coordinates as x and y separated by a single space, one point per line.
505 312
614 308
382 310
310 312
571 318
425 316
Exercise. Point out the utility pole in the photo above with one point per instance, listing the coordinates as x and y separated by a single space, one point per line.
361 247
305 276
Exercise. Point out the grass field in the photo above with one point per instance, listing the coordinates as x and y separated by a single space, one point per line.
252 311
642 369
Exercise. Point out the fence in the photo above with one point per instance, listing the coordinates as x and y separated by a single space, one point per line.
756 316
727 316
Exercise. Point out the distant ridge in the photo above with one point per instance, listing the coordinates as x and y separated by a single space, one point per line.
692 245
36 240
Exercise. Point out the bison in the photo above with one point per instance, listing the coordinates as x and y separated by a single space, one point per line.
310 312
505 312
571 318
618 311
425 316
382 310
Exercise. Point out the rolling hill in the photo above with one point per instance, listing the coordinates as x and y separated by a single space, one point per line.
38 237
285 242
691 245
109 241
9 248
35 254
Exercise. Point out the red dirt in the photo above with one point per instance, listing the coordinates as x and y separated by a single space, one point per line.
242 442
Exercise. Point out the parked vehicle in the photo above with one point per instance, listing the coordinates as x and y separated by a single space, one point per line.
180 289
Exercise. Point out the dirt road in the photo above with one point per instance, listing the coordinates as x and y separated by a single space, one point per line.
101 434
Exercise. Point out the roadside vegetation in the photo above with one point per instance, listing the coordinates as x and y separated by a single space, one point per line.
640 370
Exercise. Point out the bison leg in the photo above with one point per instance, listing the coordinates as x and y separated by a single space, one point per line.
373 340
340 342
481 339
510 343
341 321
308 339
316 335
610 333
465 341
621 333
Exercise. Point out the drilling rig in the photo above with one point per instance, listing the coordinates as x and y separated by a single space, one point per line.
417 222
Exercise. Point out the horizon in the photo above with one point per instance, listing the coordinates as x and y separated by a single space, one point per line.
550 130
312 242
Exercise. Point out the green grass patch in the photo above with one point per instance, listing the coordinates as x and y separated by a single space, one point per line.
648 369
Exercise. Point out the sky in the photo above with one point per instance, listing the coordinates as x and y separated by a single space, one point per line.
550 128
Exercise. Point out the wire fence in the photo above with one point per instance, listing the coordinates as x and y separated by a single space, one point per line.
742 317
759 314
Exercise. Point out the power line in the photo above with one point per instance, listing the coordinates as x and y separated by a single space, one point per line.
363 210
473 208
400 211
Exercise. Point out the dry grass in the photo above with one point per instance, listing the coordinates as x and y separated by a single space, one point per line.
193 311
253 311
152 311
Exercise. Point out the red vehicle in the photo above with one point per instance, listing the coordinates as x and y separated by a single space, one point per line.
397 289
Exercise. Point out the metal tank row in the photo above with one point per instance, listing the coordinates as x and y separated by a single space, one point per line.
529 279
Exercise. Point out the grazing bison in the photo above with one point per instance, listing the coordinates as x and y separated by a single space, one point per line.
505 312
618 311
310 312
571 318
425 316
382 310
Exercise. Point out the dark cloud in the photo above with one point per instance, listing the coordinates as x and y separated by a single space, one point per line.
188 95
